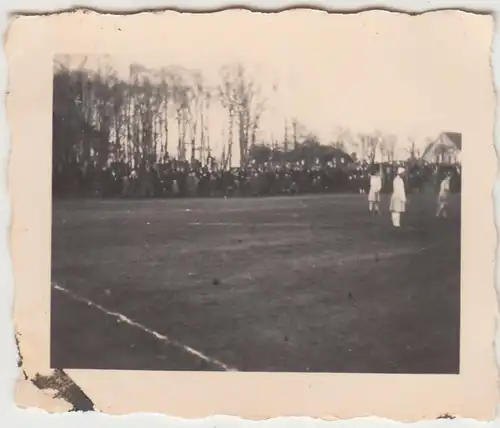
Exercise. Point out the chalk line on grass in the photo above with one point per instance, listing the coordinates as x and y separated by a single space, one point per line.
139 326
224 224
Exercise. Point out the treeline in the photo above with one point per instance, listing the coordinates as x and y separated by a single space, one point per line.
98 117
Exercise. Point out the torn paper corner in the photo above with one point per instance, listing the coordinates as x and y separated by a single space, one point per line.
27 395
37 383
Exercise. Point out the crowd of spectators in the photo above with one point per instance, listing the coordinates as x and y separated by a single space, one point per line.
184 179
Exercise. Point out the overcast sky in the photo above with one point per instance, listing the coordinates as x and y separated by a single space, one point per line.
413 77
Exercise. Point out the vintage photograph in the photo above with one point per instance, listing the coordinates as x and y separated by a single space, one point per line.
248 213
204 220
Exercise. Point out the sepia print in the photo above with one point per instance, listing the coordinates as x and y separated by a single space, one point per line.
288 200
202 226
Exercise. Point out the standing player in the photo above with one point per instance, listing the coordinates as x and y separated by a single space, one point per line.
398 199
374 193
444 196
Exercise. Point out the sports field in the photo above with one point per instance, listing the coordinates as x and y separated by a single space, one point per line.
304 283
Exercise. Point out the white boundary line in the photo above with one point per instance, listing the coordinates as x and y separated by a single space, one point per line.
227 224
153 333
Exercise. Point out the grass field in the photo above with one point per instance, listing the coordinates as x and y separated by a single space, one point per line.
306 283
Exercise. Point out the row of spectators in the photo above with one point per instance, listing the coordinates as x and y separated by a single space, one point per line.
180 179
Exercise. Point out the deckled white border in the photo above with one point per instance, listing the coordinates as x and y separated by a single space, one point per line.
9 414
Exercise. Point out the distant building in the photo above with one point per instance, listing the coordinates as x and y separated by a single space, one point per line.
445 149
336 156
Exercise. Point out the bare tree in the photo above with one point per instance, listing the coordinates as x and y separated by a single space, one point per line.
241 96
368 145
296 131
388 145
227 97
205 107
285 137
181 98
259 109
165 90
223 155
344 139
194 107
413 150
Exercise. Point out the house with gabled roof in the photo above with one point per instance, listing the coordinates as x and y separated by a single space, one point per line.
445 149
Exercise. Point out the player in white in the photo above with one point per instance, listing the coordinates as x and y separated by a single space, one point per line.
374 193
444 196
398 199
